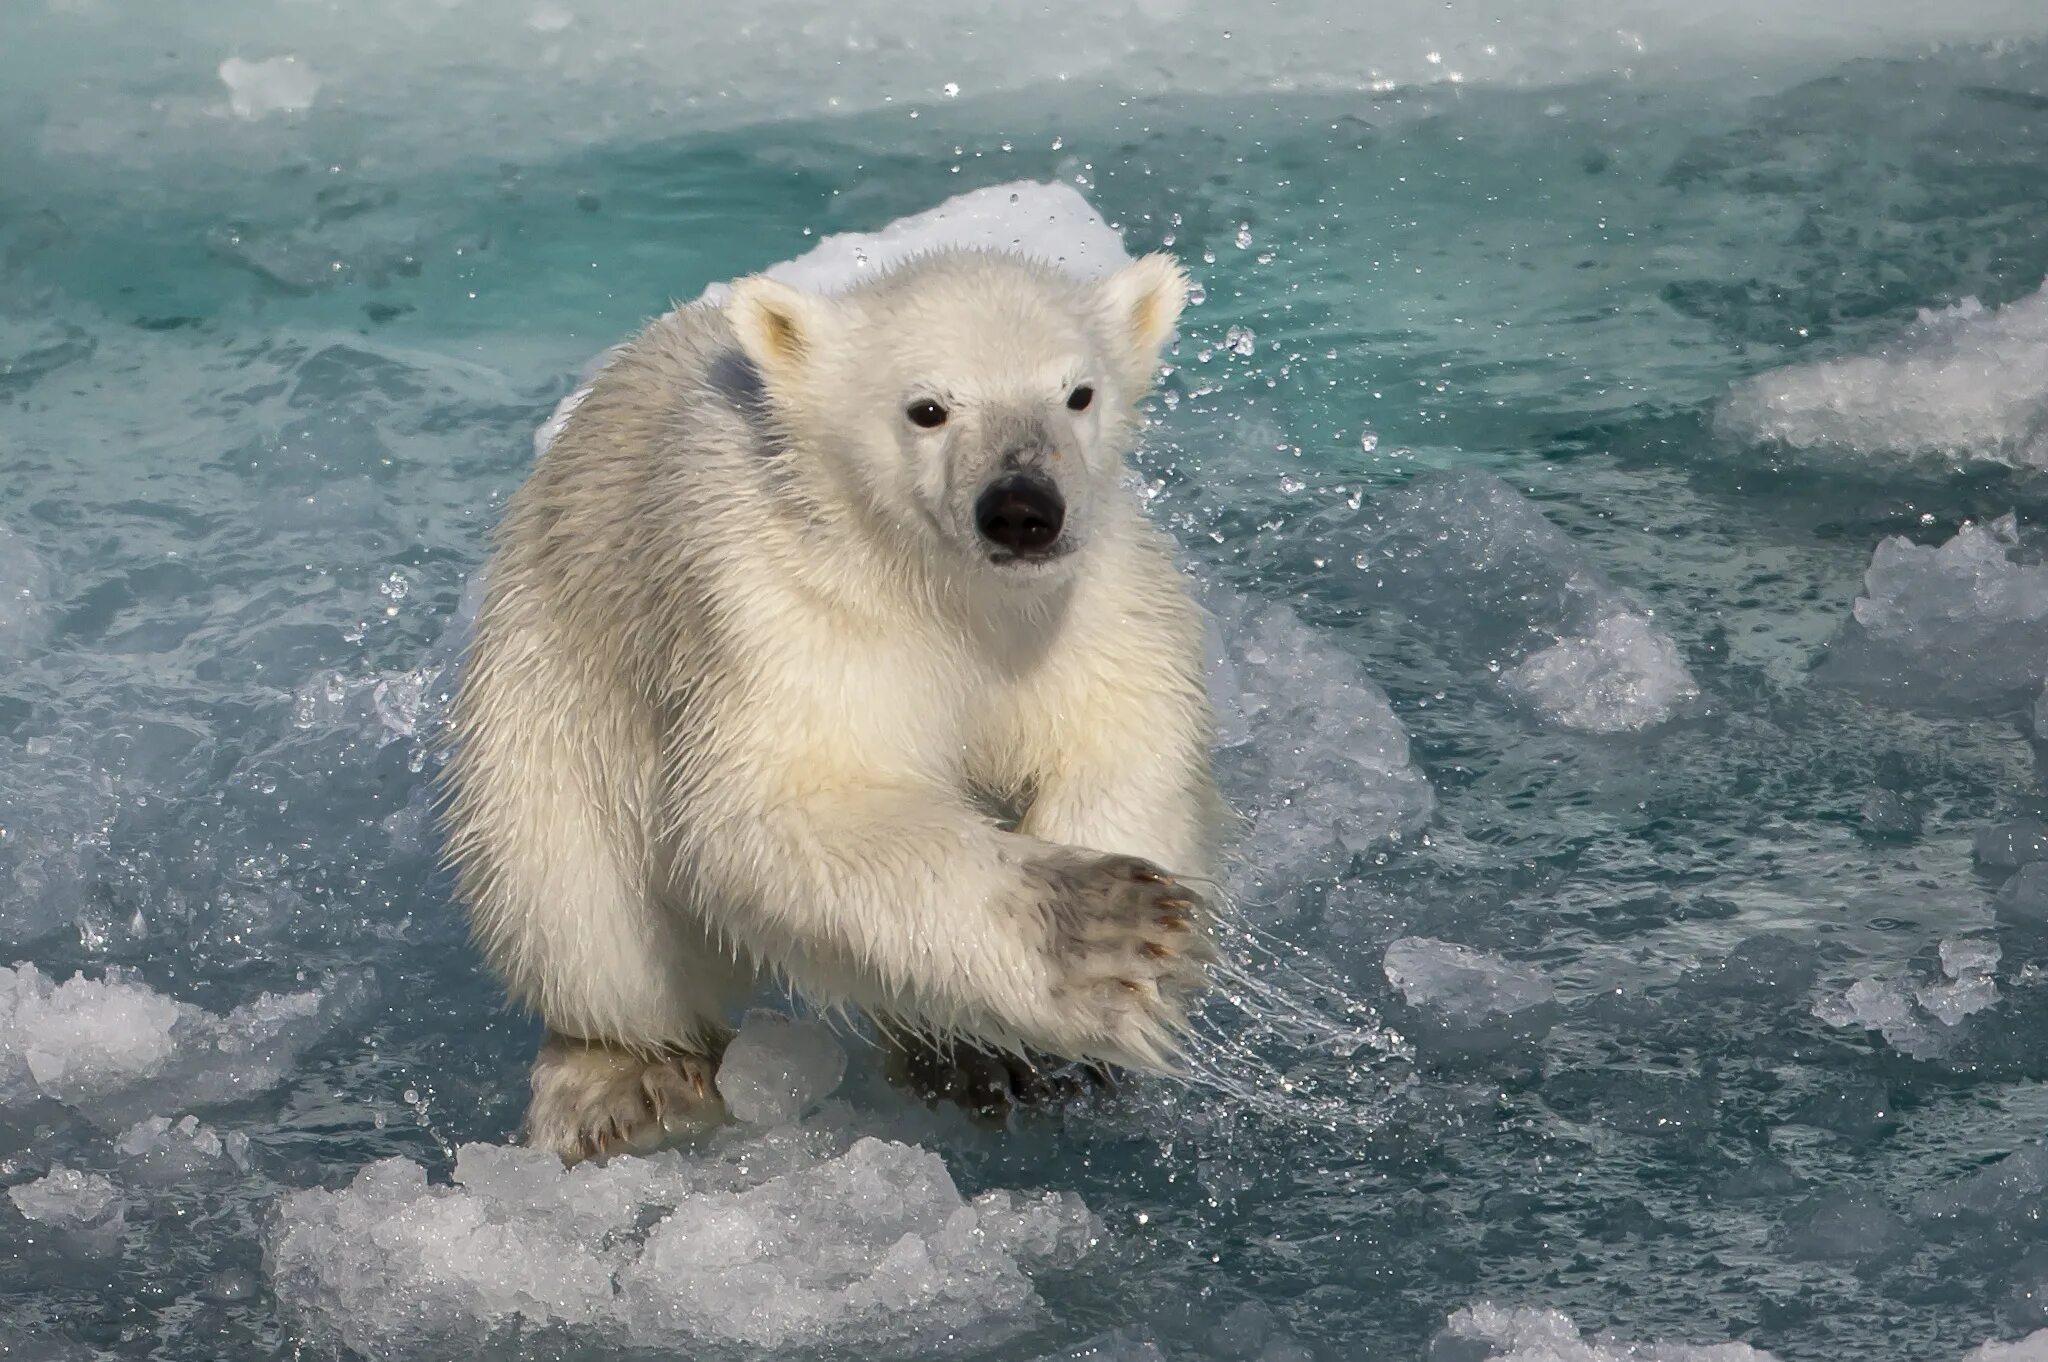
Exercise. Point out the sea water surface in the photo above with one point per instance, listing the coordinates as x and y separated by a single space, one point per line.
1595 437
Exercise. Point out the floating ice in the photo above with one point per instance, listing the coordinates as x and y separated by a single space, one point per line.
1884 1006
2023 899
1509 590
2032 1348
2006 1193
1970 985
277 85
1049 222
1841 1225
2008 846
1462 982
776 1069
1964 382
616 69
86 1206
1624 675
1888 1006
24 588
110 1045
1960 626
1312 753
791 1238
1492 1333
163 1150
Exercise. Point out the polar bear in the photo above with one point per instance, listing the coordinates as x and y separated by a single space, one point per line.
826 642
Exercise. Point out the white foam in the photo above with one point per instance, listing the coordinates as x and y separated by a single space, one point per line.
1966 382
108 1045
276 85
776 1069
800 1236
1623 675
1520 1334
1960 625
1462 982
87 1206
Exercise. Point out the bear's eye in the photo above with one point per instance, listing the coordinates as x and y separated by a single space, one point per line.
1079 398
926 413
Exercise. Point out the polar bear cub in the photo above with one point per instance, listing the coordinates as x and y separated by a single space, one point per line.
825 641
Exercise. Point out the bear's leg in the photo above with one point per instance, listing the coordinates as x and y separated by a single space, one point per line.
592 1100
987 1081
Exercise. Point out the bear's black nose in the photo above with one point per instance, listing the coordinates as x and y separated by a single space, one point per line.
1021 514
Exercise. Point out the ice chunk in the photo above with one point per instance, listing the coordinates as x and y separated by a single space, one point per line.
1887 813
164 1150
2023 899
2008 846
24 592
1961 626
1312 753
2006 1193
86 1206
1506 589
1888 1006
1969 965
1493 1333
767 1241
1841 1226
1624 675
2032 1348
276 85
1884 1006
108 1045
1048 222
777 1069
1462 982
1963 382
1466 1003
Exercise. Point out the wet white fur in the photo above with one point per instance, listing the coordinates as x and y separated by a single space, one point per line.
745 684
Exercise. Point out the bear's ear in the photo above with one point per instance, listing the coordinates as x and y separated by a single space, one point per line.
779 328
1143 301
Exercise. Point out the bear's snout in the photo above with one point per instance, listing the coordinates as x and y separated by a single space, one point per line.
1020 515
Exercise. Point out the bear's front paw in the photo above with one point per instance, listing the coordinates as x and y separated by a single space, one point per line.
591 1100
1129 946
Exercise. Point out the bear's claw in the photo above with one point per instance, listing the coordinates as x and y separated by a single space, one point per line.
1126 952
592 1100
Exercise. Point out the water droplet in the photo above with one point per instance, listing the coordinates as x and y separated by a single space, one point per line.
951 89
1369 441
1240 340
1244 235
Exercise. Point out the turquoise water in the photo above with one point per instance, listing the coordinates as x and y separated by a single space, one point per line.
259 406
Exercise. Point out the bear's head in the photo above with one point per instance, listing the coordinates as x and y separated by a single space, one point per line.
974 398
